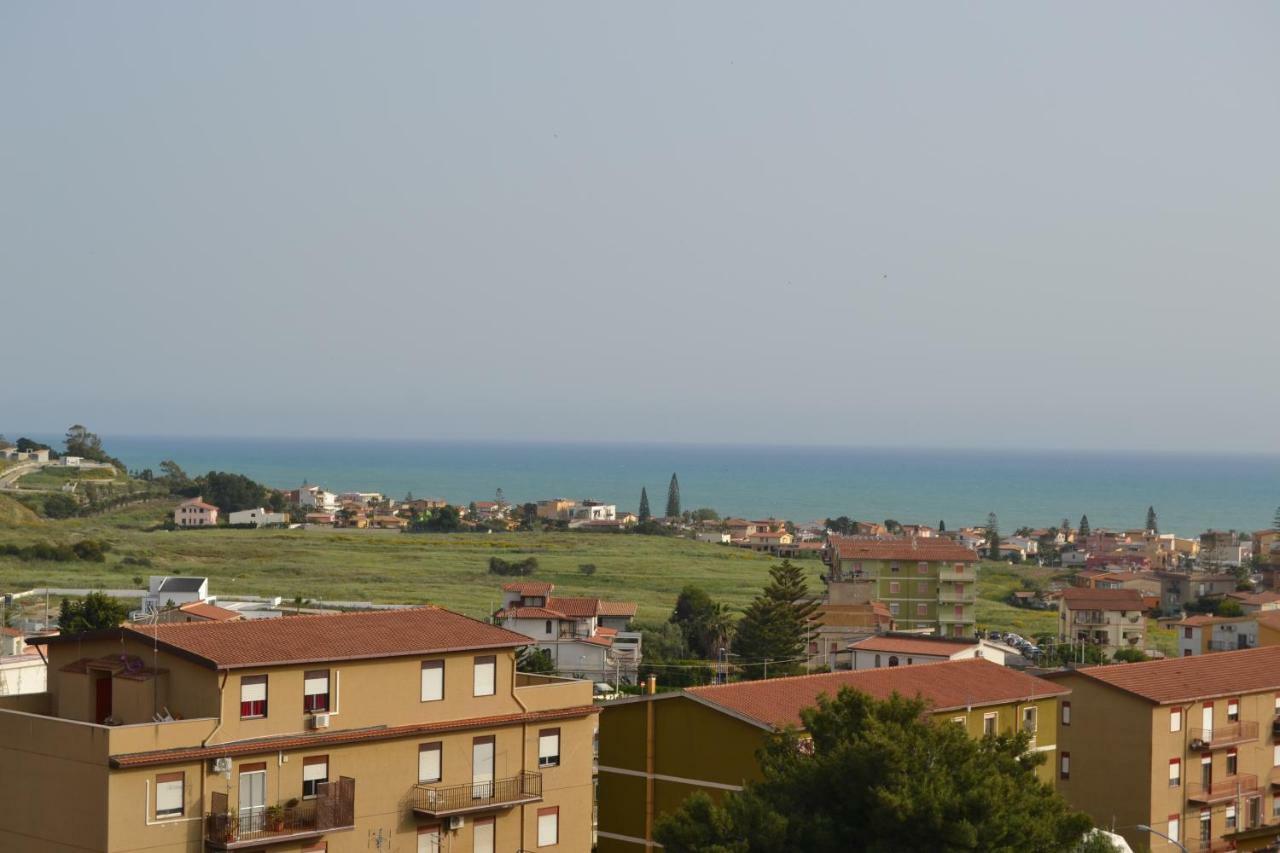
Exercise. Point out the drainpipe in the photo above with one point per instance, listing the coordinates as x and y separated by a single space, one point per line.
524 741
221 690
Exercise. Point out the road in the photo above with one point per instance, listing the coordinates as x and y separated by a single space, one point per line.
9 477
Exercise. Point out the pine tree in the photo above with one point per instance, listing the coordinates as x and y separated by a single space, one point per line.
644 514
993 536
673 498
1153 524
775 627
1084 527
1066 526
942 526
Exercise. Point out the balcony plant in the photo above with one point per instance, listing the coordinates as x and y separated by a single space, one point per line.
229 828
275 818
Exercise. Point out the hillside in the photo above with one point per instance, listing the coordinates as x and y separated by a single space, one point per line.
13 513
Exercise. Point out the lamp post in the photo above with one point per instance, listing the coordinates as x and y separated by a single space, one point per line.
1142 827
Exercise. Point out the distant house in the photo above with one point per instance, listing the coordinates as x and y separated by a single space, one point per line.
767 540
165 589
314 496
197 611
258 517
194 512
1202 634
720 537
21 670
13 454
585 637
1110 618
901 649
554 509
320 518
838 622
388 521
590 510
1253 602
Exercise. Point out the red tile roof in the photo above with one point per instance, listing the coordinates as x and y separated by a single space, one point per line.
10 632
529 587
913 645
1265 597
197 502
529 613
1083 598
210 611
906 550
307 639
580 608
1194 678
945 686
617 608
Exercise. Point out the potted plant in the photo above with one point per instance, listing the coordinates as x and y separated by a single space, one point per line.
229 827
275 818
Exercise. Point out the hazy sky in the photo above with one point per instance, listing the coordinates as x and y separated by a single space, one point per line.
945 224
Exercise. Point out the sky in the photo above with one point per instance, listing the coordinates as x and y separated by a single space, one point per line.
910 224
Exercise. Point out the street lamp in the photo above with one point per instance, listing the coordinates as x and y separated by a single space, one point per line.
1142 827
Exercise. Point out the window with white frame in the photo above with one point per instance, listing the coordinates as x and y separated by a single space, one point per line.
549 826
1230 814
1174 827
485 677
989 723
432 680
549 748
893 608
894 587
922 609
1066 713
1233 710
315 691
1064 765
429 839
1175 719
922 568
315 772
169 794
1175 772
429 762
253 696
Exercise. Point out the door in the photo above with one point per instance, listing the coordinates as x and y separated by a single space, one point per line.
482 768
1206 721
429 840
253 800
101 696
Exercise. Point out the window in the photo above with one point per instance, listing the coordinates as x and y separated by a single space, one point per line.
1275 806
1233 710
1186 633
429 839
878 665
989 723
922 610
432 680
1278 703
1174 827
1233 761
547 629
1064 766
1066 713
316 847
482 836
315 772
1230 814
549 748
1175 719
922 587
959 720
483 681
893 660
253 696
429 762
548 826
893 567
893 608
1029 720
922 568
894 587
1275 756
315 691
1175 772
1205 817
169 794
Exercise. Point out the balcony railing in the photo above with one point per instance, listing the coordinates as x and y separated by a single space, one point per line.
332 810
1226 734
950 617
954 575
443 800
1223 790
969 596
1087 618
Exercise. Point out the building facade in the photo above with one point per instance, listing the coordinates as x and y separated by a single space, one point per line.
301 734
194 512
1109 618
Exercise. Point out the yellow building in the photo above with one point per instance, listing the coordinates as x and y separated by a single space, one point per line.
308 733
1187 746
1112 619
655 750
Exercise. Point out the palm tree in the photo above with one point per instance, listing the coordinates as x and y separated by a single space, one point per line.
716 627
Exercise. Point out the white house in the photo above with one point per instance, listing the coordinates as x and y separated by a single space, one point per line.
584 636
71 461
16 455
314 496
902 649
720 537
1074 559
258 517
1202 634
21 671
162 589
589 510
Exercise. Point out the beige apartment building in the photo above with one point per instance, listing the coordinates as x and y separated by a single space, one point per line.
405 730
1110 618
1187 746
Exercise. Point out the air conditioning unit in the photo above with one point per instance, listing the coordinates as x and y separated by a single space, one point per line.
456 822
221 765
320 721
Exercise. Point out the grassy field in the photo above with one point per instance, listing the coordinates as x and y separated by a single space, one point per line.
55 477
994 613
387 566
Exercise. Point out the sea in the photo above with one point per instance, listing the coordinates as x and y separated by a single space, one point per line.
1191 492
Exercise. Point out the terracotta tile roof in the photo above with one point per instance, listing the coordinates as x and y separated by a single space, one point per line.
529 587
906 550
197 502
259 746
945 685
617 608
913 645
1083 598
580 608
1268 618
1203 619
529 613
1266 597
307 639
1193 678
10 632
210 611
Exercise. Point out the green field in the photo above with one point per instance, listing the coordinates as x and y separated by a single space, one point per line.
994 613
387 566
55 477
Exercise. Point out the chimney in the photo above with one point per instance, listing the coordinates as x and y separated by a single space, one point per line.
651 687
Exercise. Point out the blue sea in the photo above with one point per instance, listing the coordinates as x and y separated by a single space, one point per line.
1191 492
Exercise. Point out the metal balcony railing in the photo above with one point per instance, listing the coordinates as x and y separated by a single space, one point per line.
1222 790
443 800
1222 735
332 809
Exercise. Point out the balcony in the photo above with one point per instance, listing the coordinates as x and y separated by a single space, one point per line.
1227 734
332 810
969 596
948 617
1088 618
446 800
954 575
1223 790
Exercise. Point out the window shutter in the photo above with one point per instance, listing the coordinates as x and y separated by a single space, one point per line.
485 675
548 826
316 682
169 794
253 689
429 762
432 680
315 769
549 746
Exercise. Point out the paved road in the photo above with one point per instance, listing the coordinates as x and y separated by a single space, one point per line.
9 477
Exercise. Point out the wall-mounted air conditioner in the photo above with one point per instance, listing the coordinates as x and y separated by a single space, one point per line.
320 721
456 822
221 765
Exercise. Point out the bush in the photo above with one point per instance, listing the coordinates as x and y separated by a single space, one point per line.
499 566
60 506
587 568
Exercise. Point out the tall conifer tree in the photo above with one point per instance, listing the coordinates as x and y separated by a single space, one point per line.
1084 527
644 514
993 536
1153 524
673 498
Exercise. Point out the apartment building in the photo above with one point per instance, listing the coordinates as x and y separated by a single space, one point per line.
1110 618
1202 634
1188 746
655 750
926 583
407 730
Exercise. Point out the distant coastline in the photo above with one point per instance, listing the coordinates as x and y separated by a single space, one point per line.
1191 491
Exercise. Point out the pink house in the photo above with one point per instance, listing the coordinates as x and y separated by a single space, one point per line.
194 512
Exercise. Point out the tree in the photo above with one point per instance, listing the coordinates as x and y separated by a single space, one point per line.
1129 655
173 475
58 505
673 498
231 492
1065 526
1153 524
535 660
942 526
445 519
1083 532
662 641
587 569
850 790
95 611
26 445
644 514
844 525
893 526
705 513
1275 522
80 442
692 610
775 627
993 536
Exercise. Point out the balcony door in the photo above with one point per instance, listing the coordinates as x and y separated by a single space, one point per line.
253 797
1206 721
482 768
